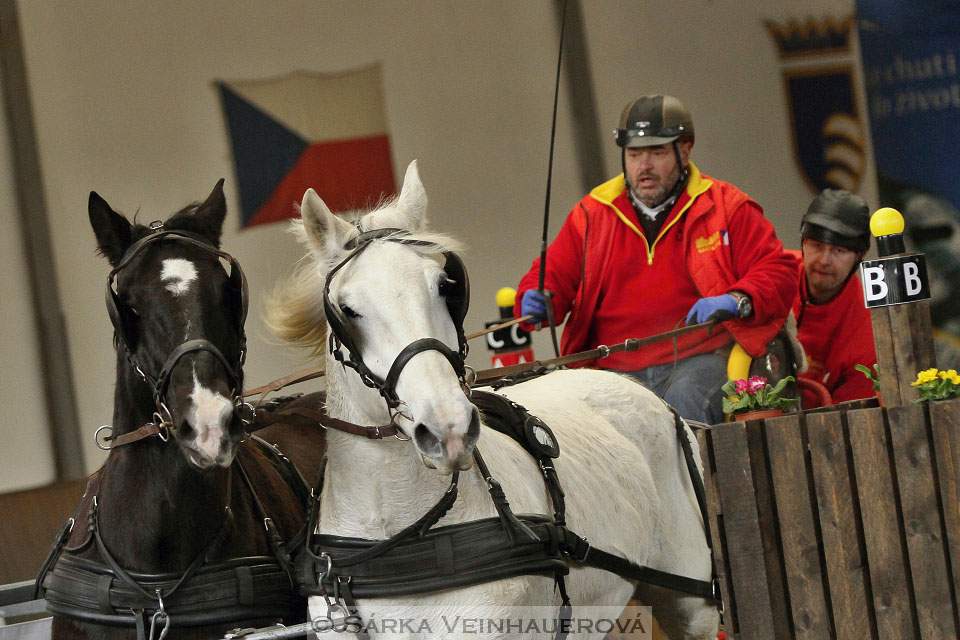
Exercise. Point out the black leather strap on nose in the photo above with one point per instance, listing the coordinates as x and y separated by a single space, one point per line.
160 388
389 391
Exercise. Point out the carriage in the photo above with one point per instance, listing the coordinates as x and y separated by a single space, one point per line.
408 515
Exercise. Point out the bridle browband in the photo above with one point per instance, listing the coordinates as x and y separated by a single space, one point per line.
119 316
343 335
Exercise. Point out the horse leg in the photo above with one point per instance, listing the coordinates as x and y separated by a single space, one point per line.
680 617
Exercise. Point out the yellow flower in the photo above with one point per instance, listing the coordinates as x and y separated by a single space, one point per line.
925 376
951 375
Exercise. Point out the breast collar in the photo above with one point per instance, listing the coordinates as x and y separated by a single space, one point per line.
240 588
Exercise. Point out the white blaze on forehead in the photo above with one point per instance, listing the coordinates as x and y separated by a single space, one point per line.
178 273
208 415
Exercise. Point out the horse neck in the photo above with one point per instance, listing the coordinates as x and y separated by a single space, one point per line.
372 488
132 399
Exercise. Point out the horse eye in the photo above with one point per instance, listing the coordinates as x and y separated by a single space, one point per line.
446 286
347 311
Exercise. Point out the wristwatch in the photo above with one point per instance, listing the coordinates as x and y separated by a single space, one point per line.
744 304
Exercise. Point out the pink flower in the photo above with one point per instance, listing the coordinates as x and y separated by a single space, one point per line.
755 384
740 386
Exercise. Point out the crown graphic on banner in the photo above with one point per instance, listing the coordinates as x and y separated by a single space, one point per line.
827 35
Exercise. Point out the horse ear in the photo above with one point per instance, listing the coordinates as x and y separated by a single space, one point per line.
111 228
410 210
413 197
207 218
325 232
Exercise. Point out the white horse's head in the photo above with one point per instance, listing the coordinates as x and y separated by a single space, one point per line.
386 292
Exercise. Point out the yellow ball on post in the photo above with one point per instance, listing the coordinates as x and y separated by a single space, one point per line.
506 297
886 222
886 225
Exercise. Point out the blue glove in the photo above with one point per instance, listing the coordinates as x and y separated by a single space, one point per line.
717 308
534 303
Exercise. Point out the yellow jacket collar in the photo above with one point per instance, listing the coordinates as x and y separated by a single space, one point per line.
610 190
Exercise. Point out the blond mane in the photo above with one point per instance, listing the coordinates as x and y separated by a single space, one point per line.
294 309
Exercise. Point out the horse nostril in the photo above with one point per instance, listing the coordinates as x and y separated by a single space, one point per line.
425 440
473 431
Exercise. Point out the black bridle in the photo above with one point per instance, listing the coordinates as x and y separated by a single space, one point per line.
120 316
342 333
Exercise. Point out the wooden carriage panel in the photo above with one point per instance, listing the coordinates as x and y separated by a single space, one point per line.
798 536
839 522
945 431
750 615
922 522
715 519
886 550
767 520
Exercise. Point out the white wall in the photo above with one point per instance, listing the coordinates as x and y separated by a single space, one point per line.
125 106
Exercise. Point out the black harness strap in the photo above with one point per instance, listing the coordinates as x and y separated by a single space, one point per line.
583 553
238 589
694 473
509 418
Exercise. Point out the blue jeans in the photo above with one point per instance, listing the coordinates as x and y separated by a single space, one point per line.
692 385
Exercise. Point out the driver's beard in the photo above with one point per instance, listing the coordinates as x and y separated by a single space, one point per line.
660 195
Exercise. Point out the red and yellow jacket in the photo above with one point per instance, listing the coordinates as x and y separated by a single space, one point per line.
617 284
836 336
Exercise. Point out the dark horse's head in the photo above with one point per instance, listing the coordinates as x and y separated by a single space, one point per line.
178 315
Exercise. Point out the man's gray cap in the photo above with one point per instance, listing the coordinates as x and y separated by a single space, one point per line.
838 217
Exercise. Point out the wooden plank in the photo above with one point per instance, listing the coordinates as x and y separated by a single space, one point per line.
903 352
945 426
886 550
921 520
843 555
752 616
886 365
715 522
921 334
798 536
769 534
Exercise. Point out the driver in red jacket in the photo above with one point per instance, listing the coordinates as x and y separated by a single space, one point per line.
833 323
656 246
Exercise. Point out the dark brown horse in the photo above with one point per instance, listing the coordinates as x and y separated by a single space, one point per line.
186 530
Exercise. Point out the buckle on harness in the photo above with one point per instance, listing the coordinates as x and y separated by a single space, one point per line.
586 551
160 615
324 572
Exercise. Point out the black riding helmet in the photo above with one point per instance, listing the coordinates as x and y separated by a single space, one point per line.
653 120
838 217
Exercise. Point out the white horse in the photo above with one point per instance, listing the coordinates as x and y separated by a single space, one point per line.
627 486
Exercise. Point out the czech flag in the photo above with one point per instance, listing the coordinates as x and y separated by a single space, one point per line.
325 131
